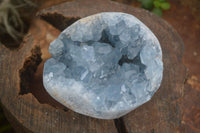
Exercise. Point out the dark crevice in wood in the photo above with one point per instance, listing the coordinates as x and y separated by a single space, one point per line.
31 78
28 70
120 125
153 131
65 109
59 21
32 83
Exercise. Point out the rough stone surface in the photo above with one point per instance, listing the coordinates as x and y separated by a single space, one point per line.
104 65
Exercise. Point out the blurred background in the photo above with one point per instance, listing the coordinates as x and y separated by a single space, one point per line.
184 15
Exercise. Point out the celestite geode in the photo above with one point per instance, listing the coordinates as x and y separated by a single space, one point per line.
104 65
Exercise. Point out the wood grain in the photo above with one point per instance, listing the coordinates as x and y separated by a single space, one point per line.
35 111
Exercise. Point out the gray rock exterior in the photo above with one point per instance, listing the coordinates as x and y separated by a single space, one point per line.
104 65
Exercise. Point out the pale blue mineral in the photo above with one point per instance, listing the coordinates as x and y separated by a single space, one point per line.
104 65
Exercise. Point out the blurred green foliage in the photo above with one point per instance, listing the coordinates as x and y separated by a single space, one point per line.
156 6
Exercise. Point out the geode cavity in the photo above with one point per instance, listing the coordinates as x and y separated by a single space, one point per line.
104 65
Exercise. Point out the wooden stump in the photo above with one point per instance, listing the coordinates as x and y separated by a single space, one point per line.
30 109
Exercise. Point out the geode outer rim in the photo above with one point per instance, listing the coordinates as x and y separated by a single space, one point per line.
109 115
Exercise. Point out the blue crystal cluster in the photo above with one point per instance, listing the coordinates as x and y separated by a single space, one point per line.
104 65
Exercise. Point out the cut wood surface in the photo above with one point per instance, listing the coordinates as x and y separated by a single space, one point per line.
29 107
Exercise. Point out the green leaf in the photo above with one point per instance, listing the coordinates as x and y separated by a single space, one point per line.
147 4
157 3
157 11
165 6
162 0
